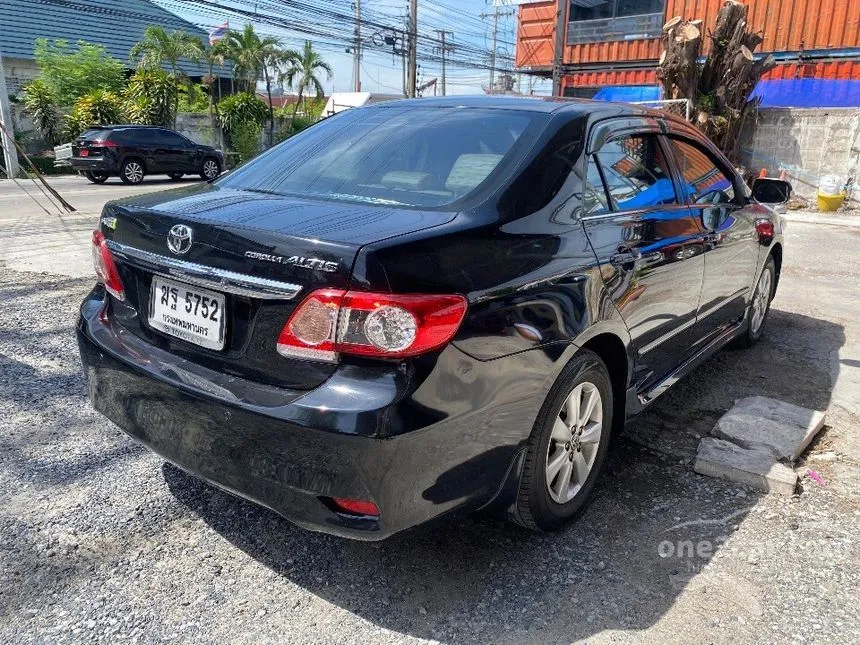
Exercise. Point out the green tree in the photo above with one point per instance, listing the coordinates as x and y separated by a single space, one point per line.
151 97
100 107
71 71
302 72
213 56
41 104
254 57
160 47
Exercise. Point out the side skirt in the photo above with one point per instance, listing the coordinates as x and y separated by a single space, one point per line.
638 401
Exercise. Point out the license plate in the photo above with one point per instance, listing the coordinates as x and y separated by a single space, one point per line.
85 153
188 312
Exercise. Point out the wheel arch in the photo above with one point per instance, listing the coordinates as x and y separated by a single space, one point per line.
133 157
613 352
776 252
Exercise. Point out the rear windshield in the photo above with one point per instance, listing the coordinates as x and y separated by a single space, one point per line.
95 135
409 156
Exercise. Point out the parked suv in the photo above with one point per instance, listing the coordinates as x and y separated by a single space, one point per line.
134 151
423 308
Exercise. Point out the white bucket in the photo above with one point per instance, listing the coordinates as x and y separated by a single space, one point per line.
830 185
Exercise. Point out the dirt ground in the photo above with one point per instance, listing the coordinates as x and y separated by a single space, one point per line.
102 542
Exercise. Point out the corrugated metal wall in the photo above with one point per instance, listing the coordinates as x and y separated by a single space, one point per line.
788 25
835 70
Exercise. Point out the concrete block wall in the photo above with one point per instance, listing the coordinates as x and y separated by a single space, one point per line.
806 143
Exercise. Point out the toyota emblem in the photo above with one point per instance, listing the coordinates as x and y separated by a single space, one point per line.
179 239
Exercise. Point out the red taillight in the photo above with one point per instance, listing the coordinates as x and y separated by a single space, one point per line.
332 321
104 144
354 506
105 267
765 230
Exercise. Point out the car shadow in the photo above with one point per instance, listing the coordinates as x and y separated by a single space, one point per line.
652 527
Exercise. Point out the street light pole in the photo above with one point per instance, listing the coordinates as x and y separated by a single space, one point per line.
444 49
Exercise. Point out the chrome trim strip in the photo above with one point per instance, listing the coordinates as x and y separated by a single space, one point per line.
239 284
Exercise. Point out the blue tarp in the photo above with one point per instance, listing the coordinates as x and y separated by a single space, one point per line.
628 93
799 92
809 92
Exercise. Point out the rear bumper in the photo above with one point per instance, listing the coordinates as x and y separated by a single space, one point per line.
98 164
291 451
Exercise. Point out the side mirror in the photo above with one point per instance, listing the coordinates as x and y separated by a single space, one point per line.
771 191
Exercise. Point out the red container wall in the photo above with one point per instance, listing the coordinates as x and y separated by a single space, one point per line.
787 25
838 70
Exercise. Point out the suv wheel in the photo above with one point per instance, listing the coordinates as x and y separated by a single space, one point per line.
759 308
568 445
176 176
211 169
132 172
97 176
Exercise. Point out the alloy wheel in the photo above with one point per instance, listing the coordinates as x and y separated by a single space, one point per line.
761 300
134 172
574 443
210 169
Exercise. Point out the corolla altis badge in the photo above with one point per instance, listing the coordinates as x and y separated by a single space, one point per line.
314 264
179 239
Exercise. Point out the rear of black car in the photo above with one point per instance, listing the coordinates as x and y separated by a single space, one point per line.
97 151
230 335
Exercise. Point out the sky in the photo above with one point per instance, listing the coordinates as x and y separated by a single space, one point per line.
382 72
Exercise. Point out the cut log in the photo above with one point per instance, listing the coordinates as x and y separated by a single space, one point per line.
687 32
674 21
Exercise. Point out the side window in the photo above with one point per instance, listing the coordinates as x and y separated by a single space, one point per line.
594 195
703 182
637 175
166 138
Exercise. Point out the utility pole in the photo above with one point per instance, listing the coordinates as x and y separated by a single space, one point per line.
413 48
558 57
444 49
9 152
356 51
495 16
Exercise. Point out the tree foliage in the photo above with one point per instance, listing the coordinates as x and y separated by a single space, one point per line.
240 109
303 72
41 104
151 97
100 107
71 71
159 47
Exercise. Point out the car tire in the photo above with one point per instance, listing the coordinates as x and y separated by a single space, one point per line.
210 169
132 171
759 307
96 177
575 451
176 176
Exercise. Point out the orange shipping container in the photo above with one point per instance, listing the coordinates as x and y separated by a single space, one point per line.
787 26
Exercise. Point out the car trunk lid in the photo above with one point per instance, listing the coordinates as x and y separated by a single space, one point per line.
269 242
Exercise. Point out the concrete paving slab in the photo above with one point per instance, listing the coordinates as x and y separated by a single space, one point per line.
756 467
784 429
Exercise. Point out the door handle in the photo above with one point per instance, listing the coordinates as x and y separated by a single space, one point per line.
625 257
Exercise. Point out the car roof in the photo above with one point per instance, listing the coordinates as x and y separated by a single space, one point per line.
121 126
546 104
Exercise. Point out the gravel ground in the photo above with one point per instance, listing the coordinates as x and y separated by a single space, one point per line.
102 542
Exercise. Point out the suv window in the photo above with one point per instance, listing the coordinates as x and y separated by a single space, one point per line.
594 196
168 138
128 136
636 173
94 134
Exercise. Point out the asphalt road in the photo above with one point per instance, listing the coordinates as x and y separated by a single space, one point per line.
37 235
102 542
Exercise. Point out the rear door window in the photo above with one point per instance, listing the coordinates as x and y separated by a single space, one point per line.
636 172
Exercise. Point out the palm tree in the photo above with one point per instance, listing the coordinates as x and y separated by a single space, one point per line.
302 72
252 57
213 56
159 47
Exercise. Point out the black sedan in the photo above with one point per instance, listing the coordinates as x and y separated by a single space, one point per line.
423 308
132 152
